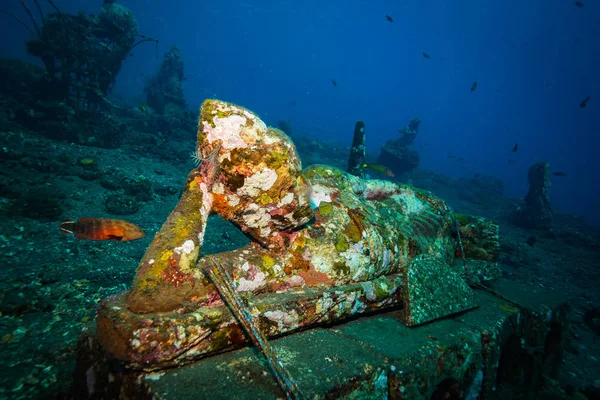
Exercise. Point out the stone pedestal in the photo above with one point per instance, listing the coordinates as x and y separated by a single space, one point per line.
497 350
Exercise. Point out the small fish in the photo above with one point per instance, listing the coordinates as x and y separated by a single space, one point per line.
389 19
509 161
515 148
196 157
559 173
473 86
144 108
531 240
333 81
426 55
86 161
382 169
451 156
509 308
210 166
579 3
102 229
583 104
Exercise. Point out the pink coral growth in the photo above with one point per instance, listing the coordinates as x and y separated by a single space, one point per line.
227 130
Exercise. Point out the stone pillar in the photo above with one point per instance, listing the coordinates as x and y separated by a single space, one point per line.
358 152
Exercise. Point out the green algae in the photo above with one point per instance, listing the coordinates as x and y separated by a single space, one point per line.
342 244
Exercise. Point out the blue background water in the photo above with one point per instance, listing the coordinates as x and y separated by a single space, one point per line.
534 62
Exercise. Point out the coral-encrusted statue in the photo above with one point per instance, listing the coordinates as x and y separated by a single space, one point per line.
166 86
397 154
537 212
326 245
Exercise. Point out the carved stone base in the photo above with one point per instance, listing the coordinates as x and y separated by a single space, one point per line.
497 351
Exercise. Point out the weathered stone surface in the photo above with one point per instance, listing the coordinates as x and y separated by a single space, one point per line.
434 291
496 351
358 151
159 340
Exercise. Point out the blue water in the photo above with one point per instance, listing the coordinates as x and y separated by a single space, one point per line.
534 62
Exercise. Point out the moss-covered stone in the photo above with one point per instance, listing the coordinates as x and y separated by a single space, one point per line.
341 244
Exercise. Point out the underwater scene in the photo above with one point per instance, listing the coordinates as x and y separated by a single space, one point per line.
299 199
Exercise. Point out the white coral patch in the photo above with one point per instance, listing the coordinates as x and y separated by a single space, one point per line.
353 298
323 259
205 209
218 188
283 319
319 194
153 376
296 281
369 290
256 217
246 285
259 126
375 189
285 200
227 130
356 260
324 304
277 269
233 200
188 246
262 180
188 253
409 202
264 232
207 201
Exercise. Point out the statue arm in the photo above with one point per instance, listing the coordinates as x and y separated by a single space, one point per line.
164 276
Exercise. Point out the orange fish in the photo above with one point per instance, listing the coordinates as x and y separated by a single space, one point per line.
102 229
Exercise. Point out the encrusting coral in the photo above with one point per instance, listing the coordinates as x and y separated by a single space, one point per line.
325 245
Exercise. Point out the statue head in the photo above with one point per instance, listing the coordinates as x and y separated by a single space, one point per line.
254 173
